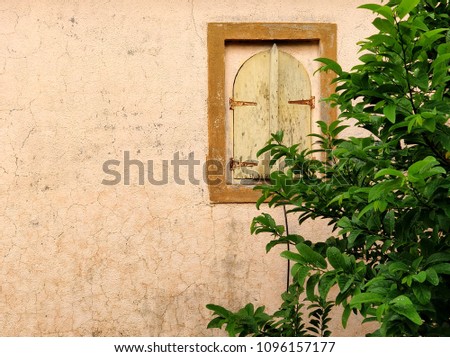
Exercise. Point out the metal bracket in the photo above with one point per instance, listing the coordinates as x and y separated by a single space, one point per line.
234 164
310 102
239 103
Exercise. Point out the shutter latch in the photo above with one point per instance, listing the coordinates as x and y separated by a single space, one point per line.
310 102
239 103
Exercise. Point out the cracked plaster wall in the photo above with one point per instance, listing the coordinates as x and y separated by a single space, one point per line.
82 81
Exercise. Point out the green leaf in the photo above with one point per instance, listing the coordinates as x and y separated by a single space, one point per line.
438 258
421 277
443 268
335 258
365 210
368 58
389 221
391 172
299 273
345 282
430 124
260 201
416 263
386 245
380 205
380 311
389 111
402 305
423 169
293 256
432 276
373 7
366 298
382 10
346 315
310 287
398 267
249 309
278 136
385 26
265 149
382 189
441 59
311 256
219 310
325 283
330 64
422 293
405 7
216 322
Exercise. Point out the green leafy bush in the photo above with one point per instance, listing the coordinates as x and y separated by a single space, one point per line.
386 194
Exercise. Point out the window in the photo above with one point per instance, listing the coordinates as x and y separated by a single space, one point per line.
269 90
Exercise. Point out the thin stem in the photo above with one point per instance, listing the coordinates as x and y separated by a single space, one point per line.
443 160
288 275
405 63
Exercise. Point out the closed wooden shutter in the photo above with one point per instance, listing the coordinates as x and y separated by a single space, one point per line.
271 92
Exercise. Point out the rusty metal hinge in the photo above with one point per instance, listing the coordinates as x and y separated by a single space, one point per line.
239 103
234 164
310 102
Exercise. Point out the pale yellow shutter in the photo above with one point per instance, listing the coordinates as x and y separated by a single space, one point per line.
269 94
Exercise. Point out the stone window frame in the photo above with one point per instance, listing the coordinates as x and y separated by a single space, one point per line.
219 34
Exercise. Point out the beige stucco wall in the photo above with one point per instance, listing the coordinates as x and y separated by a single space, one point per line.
80 83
